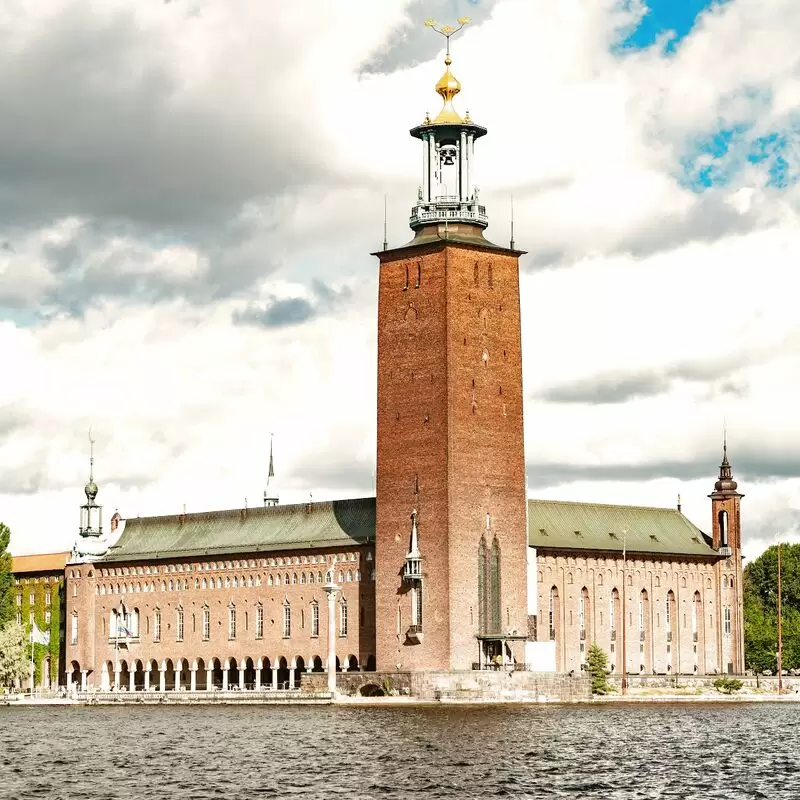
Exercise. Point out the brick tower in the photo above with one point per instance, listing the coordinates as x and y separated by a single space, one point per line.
451 535
726 535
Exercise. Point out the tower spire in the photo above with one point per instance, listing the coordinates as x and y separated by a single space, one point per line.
271 493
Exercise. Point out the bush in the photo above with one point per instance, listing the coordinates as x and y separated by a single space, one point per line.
597 666
727 685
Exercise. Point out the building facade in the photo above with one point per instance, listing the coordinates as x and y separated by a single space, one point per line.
450 566
39 599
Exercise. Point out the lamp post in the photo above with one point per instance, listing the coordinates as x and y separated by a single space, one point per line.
331 589
624 684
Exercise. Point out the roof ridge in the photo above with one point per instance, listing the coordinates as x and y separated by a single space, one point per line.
605 505
266 511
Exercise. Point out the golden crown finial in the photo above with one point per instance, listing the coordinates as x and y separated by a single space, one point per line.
448 86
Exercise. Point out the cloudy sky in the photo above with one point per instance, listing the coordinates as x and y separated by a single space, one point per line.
190 190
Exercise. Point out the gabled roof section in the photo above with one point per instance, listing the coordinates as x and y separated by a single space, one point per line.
340 523
560 525
41 562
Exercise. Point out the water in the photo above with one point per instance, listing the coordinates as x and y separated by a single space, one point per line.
689 751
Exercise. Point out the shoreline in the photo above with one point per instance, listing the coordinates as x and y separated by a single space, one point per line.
235 699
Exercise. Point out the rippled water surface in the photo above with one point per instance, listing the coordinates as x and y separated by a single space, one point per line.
611 751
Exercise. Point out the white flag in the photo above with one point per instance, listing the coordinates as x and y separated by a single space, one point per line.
39 637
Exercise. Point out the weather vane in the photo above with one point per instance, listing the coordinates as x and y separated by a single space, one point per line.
447 30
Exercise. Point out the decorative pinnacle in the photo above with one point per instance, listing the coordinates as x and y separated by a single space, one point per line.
91 455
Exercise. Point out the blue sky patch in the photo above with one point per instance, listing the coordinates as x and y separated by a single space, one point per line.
676 16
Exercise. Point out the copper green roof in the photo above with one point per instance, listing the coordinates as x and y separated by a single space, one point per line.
340 523
560 525
552 524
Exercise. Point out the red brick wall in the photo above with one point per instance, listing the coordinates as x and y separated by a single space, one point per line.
431 341
94 609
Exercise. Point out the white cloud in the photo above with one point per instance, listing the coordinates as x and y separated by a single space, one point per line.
178 162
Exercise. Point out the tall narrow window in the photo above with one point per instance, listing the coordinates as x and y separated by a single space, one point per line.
482 564
179 626
490 277
494 593
206 624
416 606
553 615
287 620
419 275
343 618
231 622
259 622
723 528
727 620
315 619
74 634
157 625
475 273
582 611
613 608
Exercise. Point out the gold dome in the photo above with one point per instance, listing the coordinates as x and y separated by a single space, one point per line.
448 87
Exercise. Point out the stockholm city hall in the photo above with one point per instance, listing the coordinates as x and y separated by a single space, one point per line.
450 568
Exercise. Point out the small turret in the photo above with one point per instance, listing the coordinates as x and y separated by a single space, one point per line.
91 512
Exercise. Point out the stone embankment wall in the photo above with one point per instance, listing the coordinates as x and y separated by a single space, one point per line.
467 685
751 682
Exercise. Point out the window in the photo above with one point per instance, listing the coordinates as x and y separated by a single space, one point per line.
727 620
416 606
179 626
668 610
287 620
582 603
294 578
74 634
19 599
31 598
552 612
206 624
315 619
47 616
259 622
343 618
30 617
19 618
232 622
157 625
74 589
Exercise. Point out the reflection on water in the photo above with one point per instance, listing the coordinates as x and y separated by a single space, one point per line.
689 751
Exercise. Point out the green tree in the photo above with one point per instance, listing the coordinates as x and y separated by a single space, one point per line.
6 577
761 611
597 663
14 654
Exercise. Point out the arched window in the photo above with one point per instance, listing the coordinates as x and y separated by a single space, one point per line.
475 274
206 623
294 578
286 579
231 621
315 618
179 625
553 612
723 528
490 276
287 619
302 578
157 625
483 563
319 577
343 618
583 605
613 612
349 576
